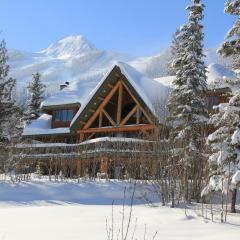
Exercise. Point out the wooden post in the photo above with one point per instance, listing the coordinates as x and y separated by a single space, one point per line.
119 108
138 115
100 119
81 137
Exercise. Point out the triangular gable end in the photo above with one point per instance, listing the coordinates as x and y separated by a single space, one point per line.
115 106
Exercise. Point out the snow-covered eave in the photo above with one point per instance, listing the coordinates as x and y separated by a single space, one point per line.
59 106
115 139
47 132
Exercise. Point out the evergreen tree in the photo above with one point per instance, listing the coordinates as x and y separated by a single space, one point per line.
188 112
36 89
176 51
224 161
231 47
224 142
7 88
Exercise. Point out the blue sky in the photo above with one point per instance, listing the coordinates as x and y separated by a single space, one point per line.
138 27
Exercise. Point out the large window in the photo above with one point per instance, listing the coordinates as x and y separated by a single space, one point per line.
213 101
64 115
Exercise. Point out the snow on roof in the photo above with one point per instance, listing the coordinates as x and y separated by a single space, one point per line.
42 126
148 89
219 76
80 92
166 81
113 139
75 93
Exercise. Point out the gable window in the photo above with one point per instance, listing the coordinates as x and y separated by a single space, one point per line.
64 115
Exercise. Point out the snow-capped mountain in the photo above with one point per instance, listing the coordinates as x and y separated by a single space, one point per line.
70 47
69 59
74 58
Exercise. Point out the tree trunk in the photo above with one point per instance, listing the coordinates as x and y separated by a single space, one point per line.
234 197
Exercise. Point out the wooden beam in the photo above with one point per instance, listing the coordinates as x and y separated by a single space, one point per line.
102 105
90 136
138 115
133 128
129 115
108 117
100 119
91 110
136 101
146 115
110 85
119 107
100 98
81 137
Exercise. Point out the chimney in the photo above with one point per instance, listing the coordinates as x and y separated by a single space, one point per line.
64 85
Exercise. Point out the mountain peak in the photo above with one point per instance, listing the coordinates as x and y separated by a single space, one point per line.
70 46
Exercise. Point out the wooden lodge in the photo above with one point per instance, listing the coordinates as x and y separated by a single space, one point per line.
97 131
107 128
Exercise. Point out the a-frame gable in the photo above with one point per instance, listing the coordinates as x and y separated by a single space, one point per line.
115 106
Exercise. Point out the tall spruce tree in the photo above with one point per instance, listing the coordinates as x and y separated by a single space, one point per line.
224 161
7 89
231 47
188 112
36 89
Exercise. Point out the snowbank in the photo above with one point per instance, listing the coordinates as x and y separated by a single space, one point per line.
99 192
73 211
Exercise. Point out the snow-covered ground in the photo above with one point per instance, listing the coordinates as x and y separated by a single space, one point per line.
44 210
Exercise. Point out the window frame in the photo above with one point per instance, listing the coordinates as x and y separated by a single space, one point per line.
64 115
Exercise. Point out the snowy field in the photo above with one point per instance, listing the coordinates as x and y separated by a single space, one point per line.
71 211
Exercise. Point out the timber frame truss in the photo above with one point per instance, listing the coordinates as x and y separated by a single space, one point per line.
119 122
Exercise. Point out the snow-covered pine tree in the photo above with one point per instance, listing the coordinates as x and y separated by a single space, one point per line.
36 89
175 53
225 159
187 107
224 143
7 88
231 47
177 49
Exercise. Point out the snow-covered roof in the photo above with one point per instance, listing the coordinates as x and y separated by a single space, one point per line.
219 76
42 126
148 89
80 92
75 93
